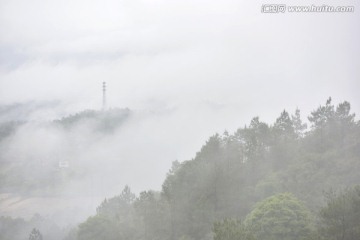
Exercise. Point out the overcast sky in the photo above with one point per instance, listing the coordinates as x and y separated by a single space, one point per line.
166 53
207 65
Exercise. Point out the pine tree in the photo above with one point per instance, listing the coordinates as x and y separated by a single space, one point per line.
35 235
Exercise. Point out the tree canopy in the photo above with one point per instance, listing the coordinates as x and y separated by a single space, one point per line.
272 175
281 216
340 217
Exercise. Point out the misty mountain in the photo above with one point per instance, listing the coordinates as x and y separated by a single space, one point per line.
179 120
277 170
40 169
102 121
241 175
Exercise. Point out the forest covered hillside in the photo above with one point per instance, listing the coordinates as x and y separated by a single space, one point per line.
280 181
287 181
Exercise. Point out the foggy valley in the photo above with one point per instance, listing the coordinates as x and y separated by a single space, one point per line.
55 174
179 120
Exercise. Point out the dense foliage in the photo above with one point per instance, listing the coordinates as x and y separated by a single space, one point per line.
340 218
281 216
230 229
233 172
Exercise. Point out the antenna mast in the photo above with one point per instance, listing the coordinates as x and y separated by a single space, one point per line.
104 96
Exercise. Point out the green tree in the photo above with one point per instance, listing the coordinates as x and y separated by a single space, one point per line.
343 113
255 141
115 219
284 125
230 229
322 115
284 142
340 218
118 206
98 227
152 212
281 216
299 126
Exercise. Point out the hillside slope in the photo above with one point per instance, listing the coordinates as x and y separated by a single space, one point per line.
232 172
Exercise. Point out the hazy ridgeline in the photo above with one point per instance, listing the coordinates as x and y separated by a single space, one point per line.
58 158
284 180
